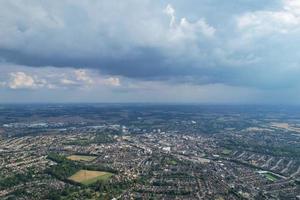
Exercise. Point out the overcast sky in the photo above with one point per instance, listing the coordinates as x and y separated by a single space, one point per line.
200 51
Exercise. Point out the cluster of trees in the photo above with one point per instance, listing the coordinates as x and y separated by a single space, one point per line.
164 183
104 138
14 180
284 150
167 192
66 168
79 142
100 138
105 189
109 190
70 193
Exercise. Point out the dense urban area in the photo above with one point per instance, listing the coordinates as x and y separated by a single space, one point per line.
145 151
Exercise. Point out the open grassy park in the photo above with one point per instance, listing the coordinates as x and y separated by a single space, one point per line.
271 177
88 177
226 152
81 158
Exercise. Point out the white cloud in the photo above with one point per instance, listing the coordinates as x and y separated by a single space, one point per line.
68 82
103 28
82 75
21 80
186 29
22 77
76 78
112 81
292 6
199 26
283 21
170 11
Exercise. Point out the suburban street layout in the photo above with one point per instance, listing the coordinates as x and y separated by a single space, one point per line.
175 152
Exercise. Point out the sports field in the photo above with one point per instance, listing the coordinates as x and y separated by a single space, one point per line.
87 177
81 158
226 152
271 177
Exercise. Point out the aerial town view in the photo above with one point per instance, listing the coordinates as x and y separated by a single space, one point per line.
149 152
149 100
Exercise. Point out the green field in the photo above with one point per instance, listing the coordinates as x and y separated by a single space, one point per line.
270 177
88 177
172 162
81 158
226 152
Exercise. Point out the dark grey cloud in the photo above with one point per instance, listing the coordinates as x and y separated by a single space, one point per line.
148 64
210 42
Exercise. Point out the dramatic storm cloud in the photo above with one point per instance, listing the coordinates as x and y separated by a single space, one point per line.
214 50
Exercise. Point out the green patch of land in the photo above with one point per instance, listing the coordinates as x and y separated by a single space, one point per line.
271 177
81 158
172 162
226 152
88 177
65 168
